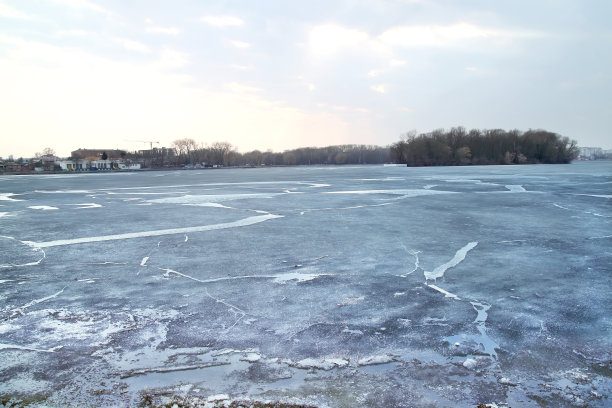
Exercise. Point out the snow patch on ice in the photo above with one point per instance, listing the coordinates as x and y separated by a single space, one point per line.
374 360
9 197
207 199
86 205
240 223
350 331
459 256
43 207
298 277
24 348
515 188
446 293
322 364
404 193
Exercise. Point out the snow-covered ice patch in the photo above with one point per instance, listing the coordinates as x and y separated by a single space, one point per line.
9 197
204 199
459 256
86 205
444 292
322 364
399 192
515 188
240 223
298 277
374 360
42 207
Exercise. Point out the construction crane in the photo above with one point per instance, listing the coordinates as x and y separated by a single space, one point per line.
144 141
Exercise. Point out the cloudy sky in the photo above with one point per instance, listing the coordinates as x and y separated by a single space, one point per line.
280 74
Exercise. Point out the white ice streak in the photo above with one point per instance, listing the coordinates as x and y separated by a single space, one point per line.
44 255
322 363
481 318
86 205
154 233
459 256
37 301
596 195
404 193
280 278
446 293
23 348
415 254
8 197
560 206
43 207
207 199
354 207
515 188
374 360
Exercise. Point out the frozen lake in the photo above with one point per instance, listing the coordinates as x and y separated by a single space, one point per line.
330 286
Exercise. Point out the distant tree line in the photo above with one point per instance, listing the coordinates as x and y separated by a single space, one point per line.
460 147
188 151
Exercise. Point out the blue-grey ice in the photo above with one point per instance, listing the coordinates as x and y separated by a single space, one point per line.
376 286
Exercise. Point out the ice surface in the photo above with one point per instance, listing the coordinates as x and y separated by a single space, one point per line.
375 286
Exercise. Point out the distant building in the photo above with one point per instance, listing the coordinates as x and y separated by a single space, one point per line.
95 165
97 153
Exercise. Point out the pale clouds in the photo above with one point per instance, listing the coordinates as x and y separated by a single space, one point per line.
329 39
132 45
378 88
9 12
163 30
84 4
223 21
240 44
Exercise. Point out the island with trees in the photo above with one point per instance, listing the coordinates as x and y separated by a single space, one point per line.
458 147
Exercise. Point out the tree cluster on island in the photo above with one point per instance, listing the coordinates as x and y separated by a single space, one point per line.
457 147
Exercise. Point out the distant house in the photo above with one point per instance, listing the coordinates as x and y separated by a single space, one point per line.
11 166
111 154
95 165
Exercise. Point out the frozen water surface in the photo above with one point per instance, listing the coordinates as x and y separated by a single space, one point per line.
331 286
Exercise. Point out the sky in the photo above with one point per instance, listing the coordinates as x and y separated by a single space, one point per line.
280 74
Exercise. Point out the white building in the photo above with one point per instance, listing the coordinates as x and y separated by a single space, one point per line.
95 165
